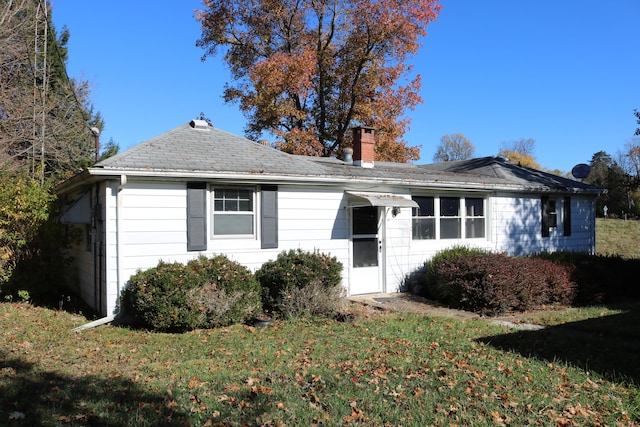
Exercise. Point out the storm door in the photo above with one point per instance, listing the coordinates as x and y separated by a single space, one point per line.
366 260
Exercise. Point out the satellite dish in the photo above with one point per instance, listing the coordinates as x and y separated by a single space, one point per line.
580 171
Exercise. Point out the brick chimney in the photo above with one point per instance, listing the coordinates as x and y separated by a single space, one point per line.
363 146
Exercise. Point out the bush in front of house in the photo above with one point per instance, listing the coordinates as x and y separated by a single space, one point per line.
207 292
227 291
600 278
490 283
436 278
300 283
158 298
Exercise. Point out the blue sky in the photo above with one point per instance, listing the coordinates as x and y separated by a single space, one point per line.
564 73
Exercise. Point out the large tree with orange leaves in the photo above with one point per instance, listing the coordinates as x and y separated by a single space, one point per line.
309 70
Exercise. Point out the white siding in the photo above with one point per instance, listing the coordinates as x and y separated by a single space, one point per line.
153 227
110 209
517 226
397 248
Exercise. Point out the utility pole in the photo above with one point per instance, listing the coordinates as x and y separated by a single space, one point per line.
40 84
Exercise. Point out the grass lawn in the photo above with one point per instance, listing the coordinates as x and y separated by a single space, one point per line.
618 237
382 370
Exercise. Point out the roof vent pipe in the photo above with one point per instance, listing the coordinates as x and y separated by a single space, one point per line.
199 124
264 142
347 156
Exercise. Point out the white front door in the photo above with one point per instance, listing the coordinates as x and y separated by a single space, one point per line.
366 251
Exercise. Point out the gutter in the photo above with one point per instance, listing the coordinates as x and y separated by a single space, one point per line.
95 174
110 318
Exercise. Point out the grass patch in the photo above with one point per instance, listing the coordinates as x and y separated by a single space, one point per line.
618 237
390 369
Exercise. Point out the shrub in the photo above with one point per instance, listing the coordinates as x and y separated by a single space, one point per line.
496 283
295 270
435 277
600 278
174 297
157 298
312 300
227 292
25 206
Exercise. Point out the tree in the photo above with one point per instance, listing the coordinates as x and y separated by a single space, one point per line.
629 161
606 173
629 157
637 114
520 152
44 115
45 121
309 70
110 149
454 147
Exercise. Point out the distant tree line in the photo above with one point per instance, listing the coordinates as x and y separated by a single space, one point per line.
620 176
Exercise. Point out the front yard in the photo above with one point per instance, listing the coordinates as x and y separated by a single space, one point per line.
388 369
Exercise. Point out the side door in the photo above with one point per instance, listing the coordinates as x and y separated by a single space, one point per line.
366 250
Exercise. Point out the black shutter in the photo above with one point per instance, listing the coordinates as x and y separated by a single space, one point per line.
545 216
196 216
269 217
567 216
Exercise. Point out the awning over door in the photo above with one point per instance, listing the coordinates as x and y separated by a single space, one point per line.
359 199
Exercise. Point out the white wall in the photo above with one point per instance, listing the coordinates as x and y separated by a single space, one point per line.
153 228
517 226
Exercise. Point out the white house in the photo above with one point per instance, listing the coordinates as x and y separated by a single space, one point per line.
198 190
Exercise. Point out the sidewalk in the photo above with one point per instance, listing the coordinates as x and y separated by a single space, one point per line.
408 302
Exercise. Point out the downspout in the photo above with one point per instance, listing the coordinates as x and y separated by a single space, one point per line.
110 318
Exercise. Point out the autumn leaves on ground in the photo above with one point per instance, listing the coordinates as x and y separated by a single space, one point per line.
381 369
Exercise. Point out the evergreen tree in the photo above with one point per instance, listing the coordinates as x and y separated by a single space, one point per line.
45 116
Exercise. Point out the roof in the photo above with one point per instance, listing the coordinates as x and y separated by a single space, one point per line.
199 151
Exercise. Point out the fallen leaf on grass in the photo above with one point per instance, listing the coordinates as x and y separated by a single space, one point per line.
16 415
259 389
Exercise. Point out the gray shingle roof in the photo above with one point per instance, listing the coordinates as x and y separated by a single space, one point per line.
186 148
191 149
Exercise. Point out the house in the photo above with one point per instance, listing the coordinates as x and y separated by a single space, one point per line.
199 190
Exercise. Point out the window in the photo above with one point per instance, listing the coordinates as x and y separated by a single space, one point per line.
424 220
233 212
365 240
454 218
450 220
474 222
556 212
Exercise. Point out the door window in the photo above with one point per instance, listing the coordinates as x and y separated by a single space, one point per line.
365 236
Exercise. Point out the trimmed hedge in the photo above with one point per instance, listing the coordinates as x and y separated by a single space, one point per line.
206 292
490 283
284 279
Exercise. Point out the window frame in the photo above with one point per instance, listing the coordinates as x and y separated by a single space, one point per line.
429 220
461 216
470 219
555 215
253 212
